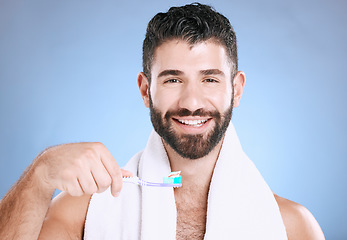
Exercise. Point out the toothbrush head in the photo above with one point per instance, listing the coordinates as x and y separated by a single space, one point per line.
173 178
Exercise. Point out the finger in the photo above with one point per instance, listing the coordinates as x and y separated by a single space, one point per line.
74 188
102 178
114 171
126 173
87 183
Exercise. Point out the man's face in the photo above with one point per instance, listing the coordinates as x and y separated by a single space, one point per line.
191 96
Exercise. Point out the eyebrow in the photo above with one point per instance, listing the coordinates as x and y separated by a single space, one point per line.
173 72
170 72
212 72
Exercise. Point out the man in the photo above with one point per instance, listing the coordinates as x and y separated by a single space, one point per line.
190 82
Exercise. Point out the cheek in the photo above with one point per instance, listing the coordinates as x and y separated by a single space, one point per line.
162 99
221 102
221 98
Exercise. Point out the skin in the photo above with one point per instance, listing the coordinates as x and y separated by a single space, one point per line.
191 88
78 169
85 168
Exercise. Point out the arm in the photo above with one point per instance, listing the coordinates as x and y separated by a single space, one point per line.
299 222
78 169
24 207
65 217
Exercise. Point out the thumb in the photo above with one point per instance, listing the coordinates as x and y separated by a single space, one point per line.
126 173
117 182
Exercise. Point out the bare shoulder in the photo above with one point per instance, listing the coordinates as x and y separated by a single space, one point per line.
298 220
66 217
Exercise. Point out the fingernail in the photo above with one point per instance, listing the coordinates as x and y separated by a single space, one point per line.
116 194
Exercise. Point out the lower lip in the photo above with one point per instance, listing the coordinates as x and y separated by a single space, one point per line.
188 129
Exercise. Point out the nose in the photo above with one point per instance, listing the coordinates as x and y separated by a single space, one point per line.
191 97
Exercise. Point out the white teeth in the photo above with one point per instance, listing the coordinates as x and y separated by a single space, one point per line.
194 123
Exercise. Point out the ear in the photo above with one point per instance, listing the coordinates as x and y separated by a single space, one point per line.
239 84
143 84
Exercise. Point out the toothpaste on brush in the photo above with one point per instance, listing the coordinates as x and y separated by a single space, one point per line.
173 178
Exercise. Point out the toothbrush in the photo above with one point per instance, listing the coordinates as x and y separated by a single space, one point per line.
173 180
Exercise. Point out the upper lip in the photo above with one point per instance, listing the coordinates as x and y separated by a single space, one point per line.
191 121
191 118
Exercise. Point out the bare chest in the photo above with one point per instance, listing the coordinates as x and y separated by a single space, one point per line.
191 219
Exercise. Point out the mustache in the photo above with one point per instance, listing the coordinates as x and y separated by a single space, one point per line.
183 112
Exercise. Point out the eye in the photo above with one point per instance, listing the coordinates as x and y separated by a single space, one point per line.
210 80
173 80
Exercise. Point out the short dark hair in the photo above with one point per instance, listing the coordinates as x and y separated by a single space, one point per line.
192 23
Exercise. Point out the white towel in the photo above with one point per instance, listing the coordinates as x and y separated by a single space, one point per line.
240 203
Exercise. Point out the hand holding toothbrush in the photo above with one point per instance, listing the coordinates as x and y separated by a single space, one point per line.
79 168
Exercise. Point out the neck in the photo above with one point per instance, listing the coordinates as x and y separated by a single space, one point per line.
196 173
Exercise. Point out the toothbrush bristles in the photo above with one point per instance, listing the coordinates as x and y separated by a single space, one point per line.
141 182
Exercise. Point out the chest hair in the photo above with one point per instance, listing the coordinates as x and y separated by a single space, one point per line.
191 215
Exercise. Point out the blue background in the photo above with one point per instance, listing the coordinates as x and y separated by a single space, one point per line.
68 74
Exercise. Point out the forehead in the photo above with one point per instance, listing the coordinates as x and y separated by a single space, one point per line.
180 55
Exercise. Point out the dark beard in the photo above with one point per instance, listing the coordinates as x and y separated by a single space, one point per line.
188 145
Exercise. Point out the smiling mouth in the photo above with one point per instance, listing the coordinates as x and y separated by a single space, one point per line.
192 123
